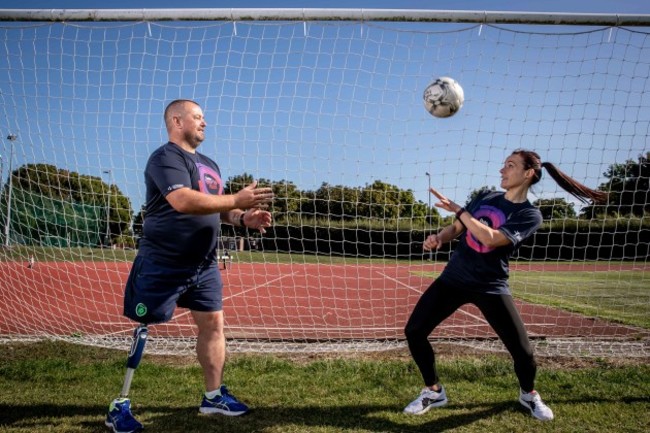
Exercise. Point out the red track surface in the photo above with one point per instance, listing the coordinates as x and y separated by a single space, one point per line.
268 301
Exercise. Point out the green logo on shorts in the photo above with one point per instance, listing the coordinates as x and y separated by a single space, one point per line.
140 310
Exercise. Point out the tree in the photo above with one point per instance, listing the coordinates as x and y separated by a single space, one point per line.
378 200
237 183
555 208
287 198
381 200
337 202
628 188
472 195
60 207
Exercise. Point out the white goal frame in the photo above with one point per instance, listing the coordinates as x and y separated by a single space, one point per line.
587 347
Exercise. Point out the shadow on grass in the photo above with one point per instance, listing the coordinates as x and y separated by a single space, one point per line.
165 419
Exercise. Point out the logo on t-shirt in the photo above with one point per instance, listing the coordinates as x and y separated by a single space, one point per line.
209 180
490 216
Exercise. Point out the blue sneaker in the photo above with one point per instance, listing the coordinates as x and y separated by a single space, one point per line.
225 404
120 419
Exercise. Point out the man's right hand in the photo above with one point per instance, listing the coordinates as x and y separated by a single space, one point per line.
253 197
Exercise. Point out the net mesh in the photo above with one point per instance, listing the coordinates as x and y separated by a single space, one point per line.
330 114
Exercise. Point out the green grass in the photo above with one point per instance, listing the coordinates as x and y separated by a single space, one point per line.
45 254
57 387
620 296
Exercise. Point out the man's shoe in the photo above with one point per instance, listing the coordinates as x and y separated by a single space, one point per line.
534 403
225 404
426 400
119 417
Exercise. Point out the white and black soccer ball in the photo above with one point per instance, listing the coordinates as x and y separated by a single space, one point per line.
443 97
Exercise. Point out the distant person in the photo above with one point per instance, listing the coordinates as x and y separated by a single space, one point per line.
491 228
226 259
176 264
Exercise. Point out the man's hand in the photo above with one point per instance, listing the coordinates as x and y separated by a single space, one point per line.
253 197
258 219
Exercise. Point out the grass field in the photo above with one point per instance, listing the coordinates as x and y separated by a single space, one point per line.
61 387
622 297
58 387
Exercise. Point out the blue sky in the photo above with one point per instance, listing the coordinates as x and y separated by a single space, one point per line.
318 103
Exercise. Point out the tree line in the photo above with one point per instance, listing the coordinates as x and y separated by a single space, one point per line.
56 206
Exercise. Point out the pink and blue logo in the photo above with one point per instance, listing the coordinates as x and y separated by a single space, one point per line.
491 217
209 180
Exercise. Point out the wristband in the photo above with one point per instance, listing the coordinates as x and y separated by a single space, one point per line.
459 213
241 219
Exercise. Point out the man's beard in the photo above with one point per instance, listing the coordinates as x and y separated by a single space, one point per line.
194 140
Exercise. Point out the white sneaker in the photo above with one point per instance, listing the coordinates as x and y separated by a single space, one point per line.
426 400
534 403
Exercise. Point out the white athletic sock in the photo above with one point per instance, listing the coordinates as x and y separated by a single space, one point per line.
212 394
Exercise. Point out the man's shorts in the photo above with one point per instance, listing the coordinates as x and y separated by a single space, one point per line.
154 290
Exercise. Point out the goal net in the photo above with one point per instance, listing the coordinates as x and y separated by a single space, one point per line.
328 110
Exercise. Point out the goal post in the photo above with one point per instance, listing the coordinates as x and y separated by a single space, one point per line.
325 106
325 14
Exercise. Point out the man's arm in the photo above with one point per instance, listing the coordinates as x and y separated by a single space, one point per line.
186 200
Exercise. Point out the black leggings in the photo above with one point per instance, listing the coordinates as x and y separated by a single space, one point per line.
440 301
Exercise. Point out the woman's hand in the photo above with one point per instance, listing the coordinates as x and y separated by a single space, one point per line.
444 202
432 242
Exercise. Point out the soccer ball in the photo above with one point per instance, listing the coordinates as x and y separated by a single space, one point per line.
443 97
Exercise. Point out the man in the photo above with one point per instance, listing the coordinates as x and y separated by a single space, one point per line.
176 264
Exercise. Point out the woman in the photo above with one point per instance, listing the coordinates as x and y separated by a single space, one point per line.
493 226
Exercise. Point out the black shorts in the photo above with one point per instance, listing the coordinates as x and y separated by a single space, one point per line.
154 290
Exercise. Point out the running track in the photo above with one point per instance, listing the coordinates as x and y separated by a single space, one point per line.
292 302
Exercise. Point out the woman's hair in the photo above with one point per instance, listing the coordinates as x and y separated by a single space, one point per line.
580 191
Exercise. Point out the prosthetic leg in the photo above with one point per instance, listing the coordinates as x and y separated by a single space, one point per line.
135 355
119 417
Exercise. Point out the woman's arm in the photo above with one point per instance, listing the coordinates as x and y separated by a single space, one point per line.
485 235
445 235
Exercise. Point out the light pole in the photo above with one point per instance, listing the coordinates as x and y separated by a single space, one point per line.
429 207
11 138
108 209
429 191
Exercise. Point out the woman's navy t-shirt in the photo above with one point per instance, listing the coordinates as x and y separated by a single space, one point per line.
477 267
169 236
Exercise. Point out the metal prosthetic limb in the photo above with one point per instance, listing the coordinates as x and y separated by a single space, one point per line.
135 355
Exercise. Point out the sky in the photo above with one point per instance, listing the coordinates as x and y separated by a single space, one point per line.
312 103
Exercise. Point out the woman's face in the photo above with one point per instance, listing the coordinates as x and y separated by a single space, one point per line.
513 173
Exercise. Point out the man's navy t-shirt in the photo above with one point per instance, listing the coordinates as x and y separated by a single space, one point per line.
474 266
169 236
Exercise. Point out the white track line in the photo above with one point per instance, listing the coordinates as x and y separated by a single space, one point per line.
185 313
415 289
261 285
473 316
